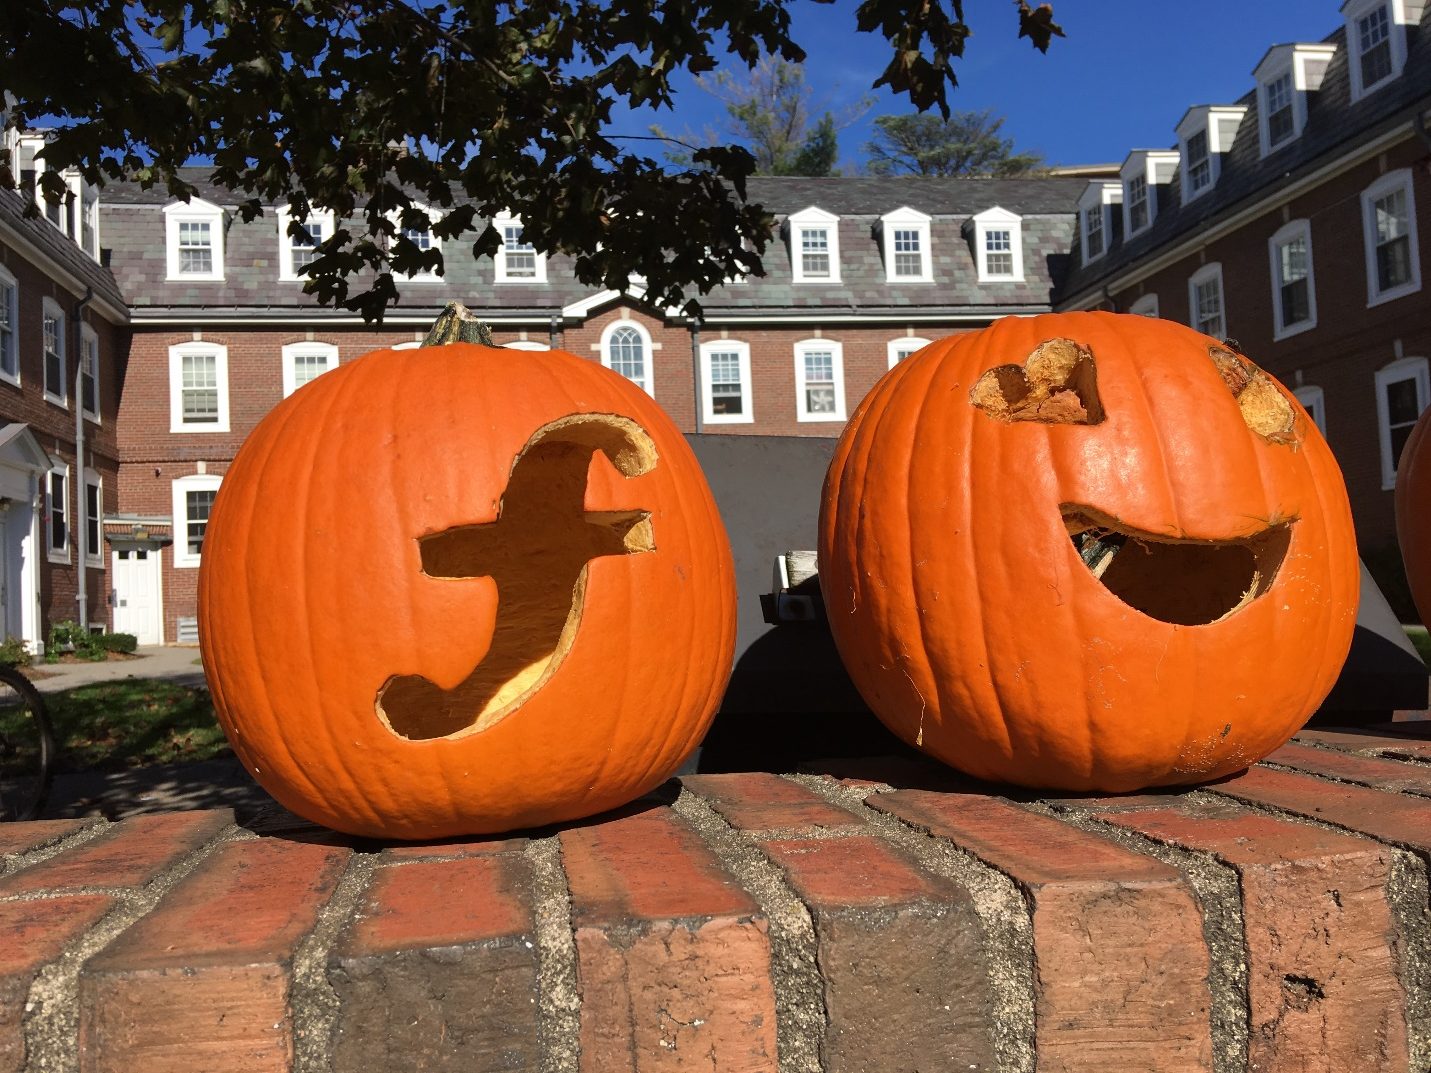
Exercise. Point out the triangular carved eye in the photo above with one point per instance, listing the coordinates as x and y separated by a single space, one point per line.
1057 385
1264 407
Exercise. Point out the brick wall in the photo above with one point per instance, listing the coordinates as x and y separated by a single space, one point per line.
868 915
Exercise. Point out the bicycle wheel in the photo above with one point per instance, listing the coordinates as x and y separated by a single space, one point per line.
27 748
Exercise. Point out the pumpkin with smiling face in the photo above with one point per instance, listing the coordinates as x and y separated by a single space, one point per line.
1088 551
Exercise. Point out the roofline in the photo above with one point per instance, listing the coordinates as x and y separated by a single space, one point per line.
47 264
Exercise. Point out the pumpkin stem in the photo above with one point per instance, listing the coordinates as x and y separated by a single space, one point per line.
458 324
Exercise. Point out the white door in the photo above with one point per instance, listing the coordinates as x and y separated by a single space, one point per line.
137 608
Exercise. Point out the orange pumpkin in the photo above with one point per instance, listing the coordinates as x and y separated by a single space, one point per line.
1087 551
1413 513
460 589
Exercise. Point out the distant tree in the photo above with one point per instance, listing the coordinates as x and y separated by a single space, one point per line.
373 108
964 144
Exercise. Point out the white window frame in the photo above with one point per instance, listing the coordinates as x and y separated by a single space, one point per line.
433 243
93 552
322 217
1314 401
1353 11
198 482
907 219
57 554
1304 66
1097 197
1220 123
1287 233
176 387
1145 306
1155 168
501 222
837 370
196 211
1417 370
747 393
1389 183
89 355
902 347
999 219
10 351
526 344
291 353
1212 271
814 219
50 309
647 382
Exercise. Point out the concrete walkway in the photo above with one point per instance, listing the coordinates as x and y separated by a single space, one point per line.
177 663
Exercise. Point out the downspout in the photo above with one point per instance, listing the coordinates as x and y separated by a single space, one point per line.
80 486
695 325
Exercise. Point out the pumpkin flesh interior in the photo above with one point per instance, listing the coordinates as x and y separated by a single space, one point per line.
537 552
1185 582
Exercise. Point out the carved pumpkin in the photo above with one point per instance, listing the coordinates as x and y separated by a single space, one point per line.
1088 552
459 589
1413 513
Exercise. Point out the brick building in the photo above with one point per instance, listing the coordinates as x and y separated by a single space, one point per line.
1289 220
863 272
63 330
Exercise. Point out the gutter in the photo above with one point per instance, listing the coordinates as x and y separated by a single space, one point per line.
81 486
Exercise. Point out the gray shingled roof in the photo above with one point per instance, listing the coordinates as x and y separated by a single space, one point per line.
133 227
1335 125
60 249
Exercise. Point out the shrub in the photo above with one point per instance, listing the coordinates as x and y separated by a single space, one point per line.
117 642
13 653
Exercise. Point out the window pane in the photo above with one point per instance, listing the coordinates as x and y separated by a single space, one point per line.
1393 243
908 258
1199 167
196 511
1402 405
1374 44
89 372
308 367
54 340
626 354
1138 203
1093 228
302 247
1208 315
92 519
199 388
59 531
819 381
726 393
195 247
521 257
9 351
815 251
1279 109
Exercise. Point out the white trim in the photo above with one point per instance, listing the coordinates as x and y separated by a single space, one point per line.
1219 123
1314 401
1287 233
502 221
999 219
322 217
1413 369
8 283
89 349
579 309
177 354
1387 184
50 310
898 349
647 381
93 551
1397 16
1145 306
814 219
837 371
198 482
1304 66
1206 273
59 554
908 220
195 211
1155 168
1097 196
747 394
525 344
292 351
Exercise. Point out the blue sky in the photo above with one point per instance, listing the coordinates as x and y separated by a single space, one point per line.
1119 80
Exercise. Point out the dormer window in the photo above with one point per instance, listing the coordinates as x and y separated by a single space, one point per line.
194 236
517 260
1284 78
422 238
906 247
1205 134
298 246
1093 217
1137 201
815 246
1143 174
1376 41
999 246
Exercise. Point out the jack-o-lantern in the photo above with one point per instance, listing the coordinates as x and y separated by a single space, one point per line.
459 589
1087 551
1413 513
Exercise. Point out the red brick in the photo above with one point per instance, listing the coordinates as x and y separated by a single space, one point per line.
1322 975
891 999
129 854
1396 818
17 838
762 802
1368 771
910 772
36 932
417 850
1119 957
203 981
439 969
673 958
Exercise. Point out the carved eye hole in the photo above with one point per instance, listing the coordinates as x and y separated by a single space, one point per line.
1264 407
1057 385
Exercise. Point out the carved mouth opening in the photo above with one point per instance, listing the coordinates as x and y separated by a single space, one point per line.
537 551
1186 582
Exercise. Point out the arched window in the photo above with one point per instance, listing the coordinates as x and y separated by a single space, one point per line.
626 349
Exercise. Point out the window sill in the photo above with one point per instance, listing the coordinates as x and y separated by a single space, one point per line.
727 419
187 278
57 400
189 429
1295 329
1008 279
819 418
58 559
1392 295
6 378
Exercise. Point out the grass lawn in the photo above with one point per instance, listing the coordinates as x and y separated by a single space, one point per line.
1422 640
109 726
